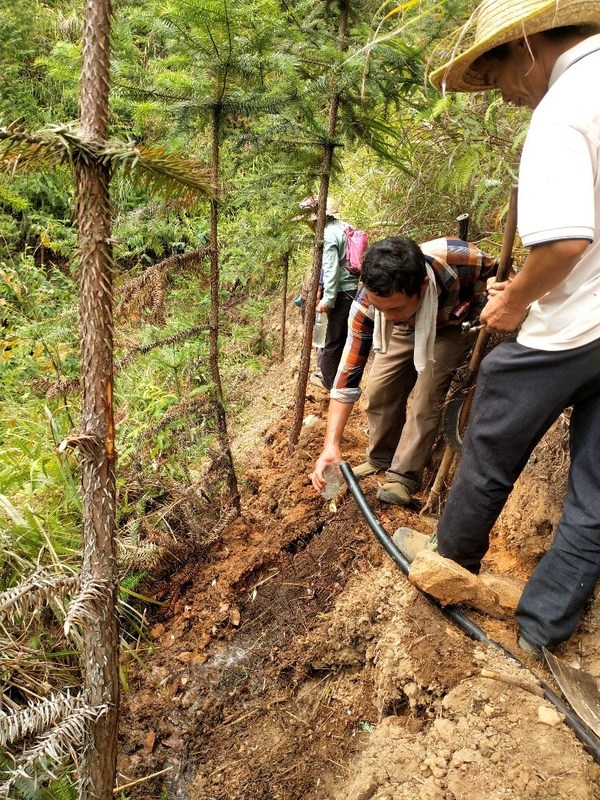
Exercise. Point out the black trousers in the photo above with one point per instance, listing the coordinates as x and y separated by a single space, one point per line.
520 393
337 331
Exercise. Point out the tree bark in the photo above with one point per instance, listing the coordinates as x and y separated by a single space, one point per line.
311 300
284 289
100 633
219 402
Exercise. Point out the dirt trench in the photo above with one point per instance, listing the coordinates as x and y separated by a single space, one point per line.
300 663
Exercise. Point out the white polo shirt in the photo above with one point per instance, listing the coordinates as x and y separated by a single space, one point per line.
559 197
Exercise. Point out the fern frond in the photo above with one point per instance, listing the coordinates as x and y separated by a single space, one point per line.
36 717
35 593
53 748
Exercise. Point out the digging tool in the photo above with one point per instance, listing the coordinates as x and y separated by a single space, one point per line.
579 687
457 409
463 226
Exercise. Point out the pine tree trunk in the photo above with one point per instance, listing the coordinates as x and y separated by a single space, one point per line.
219 402
284 289
311 300
100 634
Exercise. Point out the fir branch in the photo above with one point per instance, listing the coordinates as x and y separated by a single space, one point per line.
160 170
189 333
35 593
56 388
36 717
53 748
52 145
190 407
136 555
84 607
157 168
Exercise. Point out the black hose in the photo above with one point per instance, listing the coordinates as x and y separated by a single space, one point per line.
589 739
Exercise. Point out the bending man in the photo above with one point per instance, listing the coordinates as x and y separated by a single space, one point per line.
409 309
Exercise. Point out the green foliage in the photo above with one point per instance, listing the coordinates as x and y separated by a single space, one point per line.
24 33
407 160
153 231
60 789
423 159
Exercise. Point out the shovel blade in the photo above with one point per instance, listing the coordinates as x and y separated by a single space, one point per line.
580 688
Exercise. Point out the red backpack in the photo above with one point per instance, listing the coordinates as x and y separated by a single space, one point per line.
357 243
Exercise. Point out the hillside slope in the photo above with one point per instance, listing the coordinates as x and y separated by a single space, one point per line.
296 661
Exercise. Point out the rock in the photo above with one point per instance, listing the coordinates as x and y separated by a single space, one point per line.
449 583
549 716
444 728
465 756
508 589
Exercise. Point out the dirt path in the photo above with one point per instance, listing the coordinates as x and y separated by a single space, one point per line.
300 663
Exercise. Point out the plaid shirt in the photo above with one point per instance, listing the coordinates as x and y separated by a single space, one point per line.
461 271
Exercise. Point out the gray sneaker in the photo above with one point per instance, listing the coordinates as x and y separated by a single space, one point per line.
410 542
316 380
531 649
395 493
364 469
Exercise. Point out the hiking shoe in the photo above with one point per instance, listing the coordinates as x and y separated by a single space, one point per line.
395 493
364 469
531 649
317 380
410 542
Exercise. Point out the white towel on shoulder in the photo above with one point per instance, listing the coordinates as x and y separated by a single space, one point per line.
425 323
382 332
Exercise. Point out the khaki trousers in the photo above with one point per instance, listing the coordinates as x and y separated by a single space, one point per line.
400 441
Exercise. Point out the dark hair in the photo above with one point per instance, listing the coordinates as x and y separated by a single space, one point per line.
495 54
394 264
567 31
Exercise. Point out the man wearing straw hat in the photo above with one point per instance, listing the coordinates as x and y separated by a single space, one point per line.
544 55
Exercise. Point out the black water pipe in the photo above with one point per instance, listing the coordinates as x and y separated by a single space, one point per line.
589 739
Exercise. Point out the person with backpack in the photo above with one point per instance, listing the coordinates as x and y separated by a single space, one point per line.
339 288
409 310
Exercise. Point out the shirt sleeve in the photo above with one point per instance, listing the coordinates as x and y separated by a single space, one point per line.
346 386
330 266
556 192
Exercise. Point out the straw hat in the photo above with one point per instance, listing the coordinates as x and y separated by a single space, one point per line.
309 207
499 21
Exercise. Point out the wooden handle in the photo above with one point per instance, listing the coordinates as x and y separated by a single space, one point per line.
504 265
508 240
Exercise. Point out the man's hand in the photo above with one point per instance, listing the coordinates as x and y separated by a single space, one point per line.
547 265
494 287
330 455
337 416
499 314
322 308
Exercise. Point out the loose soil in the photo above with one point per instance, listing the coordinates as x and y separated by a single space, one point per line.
296 660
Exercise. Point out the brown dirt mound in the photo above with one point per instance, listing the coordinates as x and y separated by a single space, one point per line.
299 662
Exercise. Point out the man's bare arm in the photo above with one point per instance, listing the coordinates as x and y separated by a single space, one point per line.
545 267
337 417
